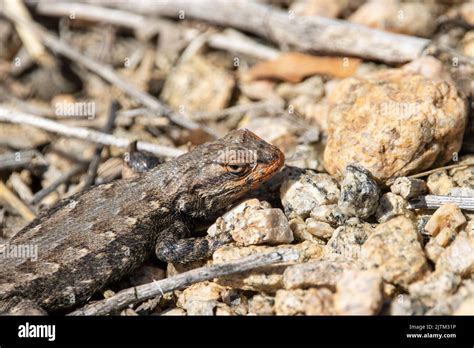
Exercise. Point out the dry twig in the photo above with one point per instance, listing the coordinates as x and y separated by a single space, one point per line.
146 291
7 115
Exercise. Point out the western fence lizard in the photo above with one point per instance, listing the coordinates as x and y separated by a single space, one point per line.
100 235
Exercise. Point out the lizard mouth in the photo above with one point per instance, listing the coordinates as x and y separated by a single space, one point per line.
271 169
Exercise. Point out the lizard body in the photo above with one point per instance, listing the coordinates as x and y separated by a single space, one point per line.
98 236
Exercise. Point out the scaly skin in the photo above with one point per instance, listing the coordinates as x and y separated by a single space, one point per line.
98 236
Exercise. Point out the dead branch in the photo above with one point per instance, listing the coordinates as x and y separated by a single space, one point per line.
11 116
434 202
16 203
109 74
328 36
146 291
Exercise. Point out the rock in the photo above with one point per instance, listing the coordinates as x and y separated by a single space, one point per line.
196 85
331 214
308 302
461 192
439 183
459 256
429 67
305 157
303 190
174 312
253 222
466 307
267 278
393 123
359 192
435 287
347 240
395 250
261 304
450 304
312 87
411 18
403 304
279 131
323 272
408 188
442 227
319 229
464 177
391 205
358 293
330 9
467 12
468 43
201 298
300 232
146 274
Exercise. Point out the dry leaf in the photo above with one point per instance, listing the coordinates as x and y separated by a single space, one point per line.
294 67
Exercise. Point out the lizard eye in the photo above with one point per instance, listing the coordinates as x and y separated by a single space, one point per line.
236 169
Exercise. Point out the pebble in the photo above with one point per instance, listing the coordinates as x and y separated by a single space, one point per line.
394 123
303 190
197 85
443 227
324 272
330 213
347 240
394 249
307 302
390 205
411 18
359 192
201 298
440 183
459 256
435 287
300 231
358 293
262 304
408 188
321 230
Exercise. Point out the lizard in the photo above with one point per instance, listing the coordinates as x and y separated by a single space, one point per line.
100 235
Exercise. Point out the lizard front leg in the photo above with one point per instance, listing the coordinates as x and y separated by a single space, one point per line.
175 247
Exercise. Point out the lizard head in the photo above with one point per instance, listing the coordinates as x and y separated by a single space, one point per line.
230 167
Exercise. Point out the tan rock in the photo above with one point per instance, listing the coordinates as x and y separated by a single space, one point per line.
443 227
323 272
262 305
308 302
395 250
196 85
330 213
408 188
440 183
358 293
347 240
201 298
435 287
459 256
447 216
411 18
391 205
466 307
300 232
320 229
252 222
393 123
